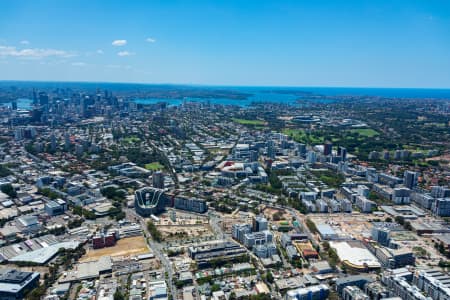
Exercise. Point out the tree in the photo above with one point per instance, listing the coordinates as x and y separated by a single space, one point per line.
311 225
78 210
215 287
9 190
400 220
37 293
407 225
118 295
4 171
277 216
156 235
269 277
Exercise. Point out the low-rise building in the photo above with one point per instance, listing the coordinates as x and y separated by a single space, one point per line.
14 283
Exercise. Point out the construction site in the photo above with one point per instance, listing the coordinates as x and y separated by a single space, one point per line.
127 247
176 225
351 226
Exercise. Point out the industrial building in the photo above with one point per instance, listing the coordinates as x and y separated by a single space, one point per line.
326 232
355 255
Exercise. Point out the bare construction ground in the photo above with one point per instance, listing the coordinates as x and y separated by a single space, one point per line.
176 232
131 246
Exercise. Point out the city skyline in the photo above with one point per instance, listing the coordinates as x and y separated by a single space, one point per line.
352 44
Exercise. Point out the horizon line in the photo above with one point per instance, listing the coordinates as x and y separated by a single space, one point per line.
221 85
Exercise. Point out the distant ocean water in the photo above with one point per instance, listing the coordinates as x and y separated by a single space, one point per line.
284 95
22 103
290 95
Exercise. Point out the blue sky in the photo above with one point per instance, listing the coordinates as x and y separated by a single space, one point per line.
289 43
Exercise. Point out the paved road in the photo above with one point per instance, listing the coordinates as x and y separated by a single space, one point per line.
158 251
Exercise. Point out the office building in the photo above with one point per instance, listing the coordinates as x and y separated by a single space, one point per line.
239 231
311 157
441 207
440 192
57 207
259 224
327 149
353 293
265 251
434 283
398 281
381 231
301 149
158 180
220 249
43 99
353 280
271 150
190 204
316 292
149 201
14 284
401 195
257 238
410 179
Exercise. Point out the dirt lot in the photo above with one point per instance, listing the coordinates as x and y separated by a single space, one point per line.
177 232
269 212
124 247
345 225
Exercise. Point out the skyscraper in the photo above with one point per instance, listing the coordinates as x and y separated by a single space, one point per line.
271 149
342 152
53 142
158 180
43 98
410 179
327 148
301 149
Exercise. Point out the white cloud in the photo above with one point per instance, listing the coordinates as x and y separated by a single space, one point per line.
33 53
125 53
123 67
150 40
25 42
78 64
119 43
100 51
